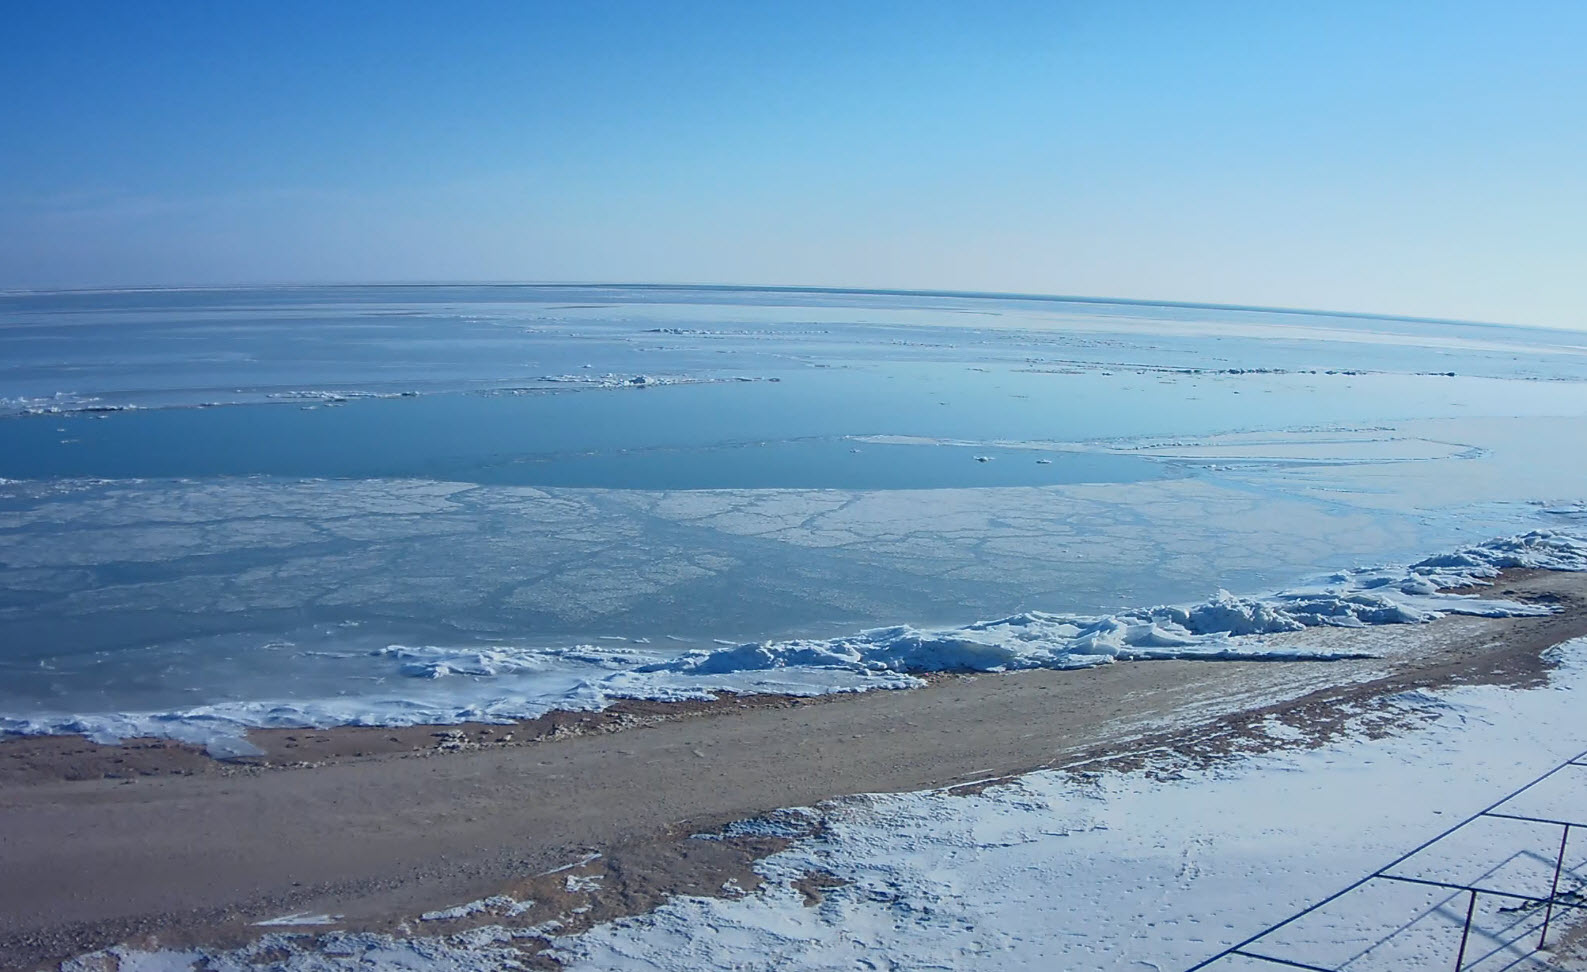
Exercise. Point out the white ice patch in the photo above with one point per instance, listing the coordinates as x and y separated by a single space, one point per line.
297 919
582 883
60 403
436 662
500 904
611 380
503 683
1539 549
329 397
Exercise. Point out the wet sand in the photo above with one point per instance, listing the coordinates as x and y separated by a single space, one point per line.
110 844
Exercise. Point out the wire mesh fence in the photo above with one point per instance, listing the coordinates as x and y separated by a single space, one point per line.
1488 894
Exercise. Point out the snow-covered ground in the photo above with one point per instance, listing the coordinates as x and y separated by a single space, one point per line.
1136 871
1157 868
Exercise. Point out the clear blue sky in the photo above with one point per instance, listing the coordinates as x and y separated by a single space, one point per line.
1418 158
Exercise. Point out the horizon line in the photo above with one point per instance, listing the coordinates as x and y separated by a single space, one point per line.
780 288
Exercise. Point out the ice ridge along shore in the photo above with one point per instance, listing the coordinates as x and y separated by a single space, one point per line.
1207 630
504 683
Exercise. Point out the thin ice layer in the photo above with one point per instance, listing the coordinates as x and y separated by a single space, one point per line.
503 683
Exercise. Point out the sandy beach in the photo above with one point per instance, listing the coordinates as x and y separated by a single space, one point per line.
155 842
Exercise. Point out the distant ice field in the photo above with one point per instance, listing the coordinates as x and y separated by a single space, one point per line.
330 505
164 347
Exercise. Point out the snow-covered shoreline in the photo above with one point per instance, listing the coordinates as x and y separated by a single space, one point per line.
1128 871
1155 868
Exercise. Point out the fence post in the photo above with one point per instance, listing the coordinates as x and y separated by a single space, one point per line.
1471 907
1553 892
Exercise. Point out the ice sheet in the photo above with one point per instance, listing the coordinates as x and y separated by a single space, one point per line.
253 564
504 682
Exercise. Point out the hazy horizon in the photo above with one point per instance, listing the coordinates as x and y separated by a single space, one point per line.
269 285
1419 161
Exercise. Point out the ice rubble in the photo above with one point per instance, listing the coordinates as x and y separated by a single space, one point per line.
504 683
1207 630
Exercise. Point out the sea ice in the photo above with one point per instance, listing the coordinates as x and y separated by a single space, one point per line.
1206 630
506 682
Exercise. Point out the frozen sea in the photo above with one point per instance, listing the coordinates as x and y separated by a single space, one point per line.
316 506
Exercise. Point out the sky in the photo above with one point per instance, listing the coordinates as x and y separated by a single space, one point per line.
1404 158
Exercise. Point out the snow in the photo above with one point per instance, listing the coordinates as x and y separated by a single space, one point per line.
1152 869
497 904
298 919
1134 872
